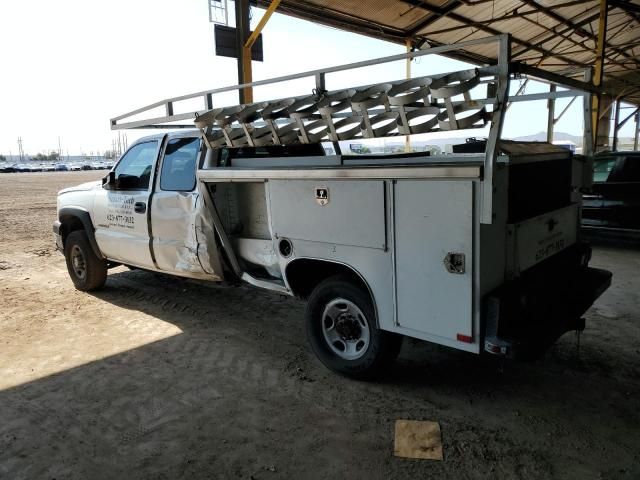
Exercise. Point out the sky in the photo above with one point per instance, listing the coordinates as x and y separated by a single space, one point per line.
69 66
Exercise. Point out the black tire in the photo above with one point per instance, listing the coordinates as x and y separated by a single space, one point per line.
87 271
381 347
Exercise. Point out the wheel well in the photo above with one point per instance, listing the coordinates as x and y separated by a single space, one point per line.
72 219
303 275
68 224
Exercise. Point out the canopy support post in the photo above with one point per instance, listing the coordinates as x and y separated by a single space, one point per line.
551 112
637 135
407 138
245 95
596 100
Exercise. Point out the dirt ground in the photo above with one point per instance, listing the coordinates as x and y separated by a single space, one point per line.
160 378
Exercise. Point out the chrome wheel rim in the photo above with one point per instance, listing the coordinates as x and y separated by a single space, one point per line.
78 262
346 329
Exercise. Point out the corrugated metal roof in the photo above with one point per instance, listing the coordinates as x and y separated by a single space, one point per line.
558 36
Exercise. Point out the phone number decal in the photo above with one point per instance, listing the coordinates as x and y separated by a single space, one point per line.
120 211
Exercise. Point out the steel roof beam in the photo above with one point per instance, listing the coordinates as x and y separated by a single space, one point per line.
514 14
580 23
325 16
626 6
430 17
443 12
504 18
579 30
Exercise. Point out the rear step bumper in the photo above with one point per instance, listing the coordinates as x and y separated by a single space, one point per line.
525 317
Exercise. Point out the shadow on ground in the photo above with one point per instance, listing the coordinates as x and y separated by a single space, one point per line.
238 394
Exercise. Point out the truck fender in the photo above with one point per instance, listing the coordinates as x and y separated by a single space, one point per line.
75 218
303 274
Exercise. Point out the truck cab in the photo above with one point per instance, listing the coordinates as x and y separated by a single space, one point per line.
143 213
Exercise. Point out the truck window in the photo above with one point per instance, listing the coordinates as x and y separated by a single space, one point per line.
134 168
630 169
602 168
179 164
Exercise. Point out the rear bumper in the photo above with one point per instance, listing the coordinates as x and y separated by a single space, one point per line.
58 235
523 318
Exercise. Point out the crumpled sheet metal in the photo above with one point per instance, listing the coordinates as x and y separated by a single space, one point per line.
259 252
208 252
182 237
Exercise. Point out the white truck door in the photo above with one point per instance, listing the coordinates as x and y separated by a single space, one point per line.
174 207
120 212
433 223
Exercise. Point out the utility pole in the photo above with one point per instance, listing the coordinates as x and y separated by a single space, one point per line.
20 150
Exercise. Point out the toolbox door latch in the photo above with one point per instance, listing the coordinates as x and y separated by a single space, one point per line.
454 262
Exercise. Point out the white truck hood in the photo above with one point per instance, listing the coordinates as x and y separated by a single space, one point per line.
83 187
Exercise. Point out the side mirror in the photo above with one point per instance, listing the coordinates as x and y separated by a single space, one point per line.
109 181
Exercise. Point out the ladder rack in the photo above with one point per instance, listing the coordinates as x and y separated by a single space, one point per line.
406 107
128 121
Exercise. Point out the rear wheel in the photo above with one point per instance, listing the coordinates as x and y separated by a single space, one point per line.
87 271
342 331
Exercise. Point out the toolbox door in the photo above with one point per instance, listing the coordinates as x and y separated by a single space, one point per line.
433 249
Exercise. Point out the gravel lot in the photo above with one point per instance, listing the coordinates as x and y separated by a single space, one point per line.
156 377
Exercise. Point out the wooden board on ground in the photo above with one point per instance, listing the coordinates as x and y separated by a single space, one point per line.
418 439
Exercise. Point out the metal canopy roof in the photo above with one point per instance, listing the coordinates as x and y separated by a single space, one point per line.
558 36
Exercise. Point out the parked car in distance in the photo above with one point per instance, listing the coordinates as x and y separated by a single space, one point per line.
74 167
614 200
8 168
61 167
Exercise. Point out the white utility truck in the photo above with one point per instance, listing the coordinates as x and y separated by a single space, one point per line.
476 251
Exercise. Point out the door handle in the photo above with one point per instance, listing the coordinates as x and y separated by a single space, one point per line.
140 207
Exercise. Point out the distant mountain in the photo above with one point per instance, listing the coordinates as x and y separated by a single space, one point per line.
557 136
538 137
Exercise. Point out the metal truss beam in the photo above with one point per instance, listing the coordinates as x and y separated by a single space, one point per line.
551 13
449 13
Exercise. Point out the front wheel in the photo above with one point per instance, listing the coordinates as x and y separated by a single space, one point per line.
342 331
87 271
